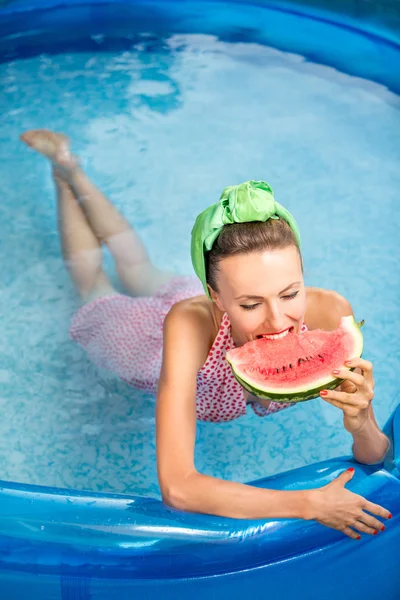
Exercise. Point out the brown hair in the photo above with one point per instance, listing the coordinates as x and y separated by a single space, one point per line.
244 238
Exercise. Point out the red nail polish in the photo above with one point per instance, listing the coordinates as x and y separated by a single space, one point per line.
324 393
359 537
383 528
376 532
350 469
336 371
347 362
390 516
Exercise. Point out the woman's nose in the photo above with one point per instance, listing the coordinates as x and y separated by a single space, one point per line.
273 321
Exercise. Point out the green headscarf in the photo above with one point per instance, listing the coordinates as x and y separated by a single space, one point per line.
243 203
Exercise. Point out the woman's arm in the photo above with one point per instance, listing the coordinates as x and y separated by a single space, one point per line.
354 396
187 339
370 444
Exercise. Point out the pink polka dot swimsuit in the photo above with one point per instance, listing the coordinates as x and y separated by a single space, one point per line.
124 334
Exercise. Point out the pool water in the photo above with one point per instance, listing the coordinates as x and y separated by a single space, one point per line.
162 128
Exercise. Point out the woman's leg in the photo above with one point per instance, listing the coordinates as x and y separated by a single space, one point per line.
80 248
134 268
133 265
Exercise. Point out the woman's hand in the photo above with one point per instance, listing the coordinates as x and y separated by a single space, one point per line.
338 508
355 395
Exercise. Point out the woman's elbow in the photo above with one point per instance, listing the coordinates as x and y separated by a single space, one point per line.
174 495
177 492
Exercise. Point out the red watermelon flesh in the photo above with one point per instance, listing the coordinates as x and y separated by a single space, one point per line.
296 367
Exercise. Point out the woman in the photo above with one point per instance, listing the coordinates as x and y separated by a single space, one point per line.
172 336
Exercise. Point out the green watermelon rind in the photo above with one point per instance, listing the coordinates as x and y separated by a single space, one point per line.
301 395
294 398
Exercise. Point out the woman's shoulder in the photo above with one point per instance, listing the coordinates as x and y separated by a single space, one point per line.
325 308
197 320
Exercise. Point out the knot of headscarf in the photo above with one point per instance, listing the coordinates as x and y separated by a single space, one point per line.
243 203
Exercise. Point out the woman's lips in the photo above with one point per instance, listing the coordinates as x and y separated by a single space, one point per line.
276 336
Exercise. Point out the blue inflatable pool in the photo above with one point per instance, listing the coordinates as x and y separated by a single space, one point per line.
64 544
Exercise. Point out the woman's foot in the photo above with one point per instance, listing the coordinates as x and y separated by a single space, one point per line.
55 146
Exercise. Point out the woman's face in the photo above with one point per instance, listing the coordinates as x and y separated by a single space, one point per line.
263 293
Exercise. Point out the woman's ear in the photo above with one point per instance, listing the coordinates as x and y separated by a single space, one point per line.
215 298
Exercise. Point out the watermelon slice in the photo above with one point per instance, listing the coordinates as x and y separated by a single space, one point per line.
296 367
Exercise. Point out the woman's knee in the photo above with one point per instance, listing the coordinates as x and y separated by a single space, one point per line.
85 269
102 287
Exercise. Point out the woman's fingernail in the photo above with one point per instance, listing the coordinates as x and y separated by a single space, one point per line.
383 528
347 362
376 532
350 469
359 537
324 393
336 372
390 516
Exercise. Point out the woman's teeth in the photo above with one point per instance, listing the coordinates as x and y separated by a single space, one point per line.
275 336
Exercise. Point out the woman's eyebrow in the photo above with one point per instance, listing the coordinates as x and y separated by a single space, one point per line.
289 286
261 297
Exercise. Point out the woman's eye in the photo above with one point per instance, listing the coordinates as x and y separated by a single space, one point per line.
291 296
249 306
